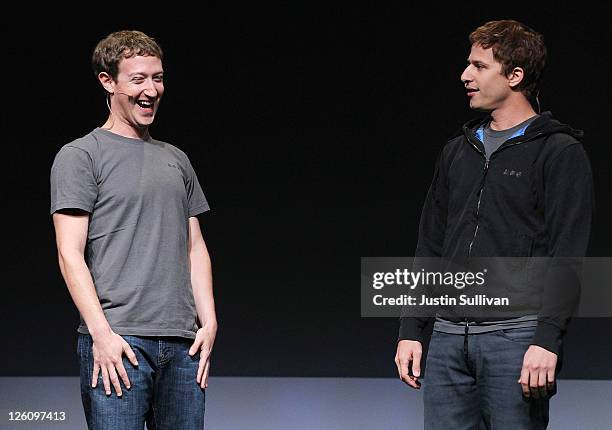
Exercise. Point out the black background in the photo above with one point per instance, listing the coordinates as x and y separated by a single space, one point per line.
313 129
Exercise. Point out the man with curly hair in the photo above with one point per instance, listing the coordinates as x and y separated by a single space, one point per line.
132 254
515 183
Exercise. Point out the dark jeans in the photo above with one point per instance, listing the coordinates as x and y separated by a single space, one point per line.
164 390
473 384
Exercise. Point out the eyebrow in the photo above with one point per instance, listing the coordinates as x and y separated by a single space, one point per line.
477 62
144 74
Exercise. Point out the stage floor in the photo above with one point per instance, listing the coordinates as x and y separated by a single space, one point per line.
298 404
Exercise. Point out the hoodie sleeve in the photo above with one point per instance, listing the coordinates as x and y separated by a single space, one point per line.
568 211
432 229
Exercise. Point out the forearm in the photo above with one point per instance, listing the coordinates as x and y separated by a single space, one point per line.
568 213
81 287
432 231
202 285
560 298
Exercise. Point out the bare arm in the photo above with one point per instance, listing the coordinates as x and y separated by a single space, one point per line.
201 282
71 236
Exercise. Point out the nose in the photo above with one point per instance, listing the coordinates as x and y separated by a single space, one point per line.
151 89
465 76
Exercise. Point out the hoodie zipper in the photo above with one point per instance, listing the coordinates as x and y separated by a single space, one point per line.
486 168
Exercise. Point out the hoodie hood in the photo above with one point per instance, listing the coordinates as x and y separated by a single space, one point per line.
545 124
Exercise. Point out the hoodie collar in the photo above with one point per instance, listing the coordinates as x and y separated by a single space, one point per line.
545 124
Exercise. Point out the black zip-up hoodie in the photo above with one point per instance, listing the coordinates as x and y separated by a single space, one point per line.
532 198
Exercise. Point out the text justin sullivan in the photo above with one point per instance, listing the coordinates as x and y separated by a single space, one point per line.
445 300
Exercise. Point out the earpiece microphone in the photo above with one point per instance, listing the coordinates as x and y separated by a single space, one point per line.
110 93
108 97
127 94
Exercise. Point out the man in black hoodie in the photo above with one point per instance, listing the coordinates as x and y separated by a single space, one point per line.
514 184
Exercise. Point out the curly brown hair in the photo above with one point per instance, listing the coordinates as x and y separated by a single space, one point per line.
119 45
514 45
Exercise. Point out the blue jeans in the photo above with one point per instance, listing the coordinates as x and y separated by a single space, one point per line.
471 382
164 392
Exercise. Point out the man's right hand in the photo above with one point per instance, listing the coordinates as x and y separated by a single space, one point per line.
409 353
108 351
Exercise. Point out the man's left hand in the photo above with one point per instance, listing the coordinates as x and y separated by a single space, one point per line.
538 373
205 338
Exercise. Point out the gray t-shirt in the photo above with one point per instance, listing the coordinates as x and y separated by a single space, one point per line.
140 195
493 139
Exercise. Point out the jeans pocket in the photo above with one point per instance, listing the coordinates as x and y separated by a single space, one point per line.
84 345
522 335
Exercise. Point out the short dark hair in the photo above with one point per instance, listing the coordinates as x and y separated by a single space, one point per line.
514 45
119 45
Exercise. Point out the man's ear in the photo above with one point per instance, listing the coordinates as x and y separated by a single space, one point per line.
516 77
107 82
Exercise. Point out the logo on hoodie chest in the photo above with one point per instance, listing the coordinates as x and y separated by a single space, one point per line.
512 172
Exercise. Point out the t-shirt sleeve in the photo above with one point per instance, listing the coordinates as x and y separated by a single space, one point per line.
73 183
195 195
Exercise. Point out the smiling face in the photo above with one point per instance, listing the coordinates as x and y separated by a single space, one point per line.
136 92
486 86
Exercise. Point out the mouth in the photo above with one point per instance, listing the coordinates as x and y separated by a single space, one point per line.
471 91
146 105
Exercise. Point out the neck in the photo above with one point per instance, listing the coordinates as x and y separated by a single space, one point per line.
125 130
512 113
